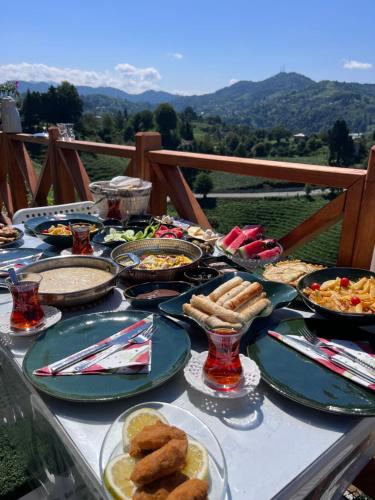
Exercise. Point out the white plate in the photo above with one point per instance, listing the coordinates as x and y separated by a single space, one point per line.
193 372
52 316
194 427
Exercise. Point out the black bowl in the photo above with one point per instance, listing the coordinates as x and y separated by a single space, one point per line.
61 241
132 292
201 274
112 222
139 220
99 237
13 242
332 273
207 248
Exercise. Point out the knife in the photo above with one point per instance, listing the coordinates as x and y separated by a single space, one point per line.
93 349
367 377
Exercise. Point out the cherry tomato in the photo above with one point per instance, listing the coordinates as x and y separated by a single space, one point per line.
315 286
355 300
344 282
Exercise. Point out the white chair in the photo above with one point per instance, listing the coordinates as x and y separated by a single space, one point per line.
85 207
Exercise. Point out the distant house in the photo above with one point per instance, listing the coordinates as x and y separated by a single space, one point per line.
300 136
356 136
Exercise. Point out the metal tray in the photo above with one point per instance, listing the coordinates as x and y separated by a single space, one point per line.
84 296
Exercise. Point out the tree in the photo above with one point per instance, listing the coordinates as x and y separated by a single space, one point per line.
240 150
186 131
166 118
62 104
203 184
232 141
259 149
31 109
279 132
106 131
128 134
340 143
188 114
143 121
118 120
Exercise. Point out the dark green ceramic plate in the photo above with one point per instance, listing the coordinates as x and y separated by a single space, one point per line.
279 294
297 377
170 350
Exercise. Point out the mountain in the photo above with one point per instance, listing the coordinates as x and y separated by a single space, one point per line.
291 99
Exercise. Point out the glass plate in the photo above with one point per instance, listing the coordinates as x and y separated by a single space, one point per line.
192 425
247 263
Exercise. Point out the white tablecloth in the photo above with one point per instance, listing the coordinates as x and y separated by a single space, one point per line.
283 452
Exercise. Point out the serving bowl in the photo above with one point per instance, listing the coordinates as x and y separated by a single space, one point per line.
201 274
332 273
69 299
19 237
131 293
249 264
61 241
157 246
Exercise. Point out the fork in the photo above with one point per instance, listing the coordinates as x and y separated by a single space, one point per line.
139 339
314 340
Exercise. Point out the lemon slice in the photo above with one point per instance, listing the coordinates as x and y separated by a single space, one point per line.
196 461
137 420
117 477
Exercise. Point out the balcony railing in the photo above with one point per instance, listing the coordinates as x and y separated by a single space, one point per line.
64 172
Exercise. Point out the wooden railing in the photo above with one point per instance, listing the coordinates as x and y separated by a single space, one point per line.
64 172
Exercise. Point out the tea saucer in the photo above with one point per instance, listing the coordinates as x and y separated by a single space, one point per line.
51 316
193 372
98 250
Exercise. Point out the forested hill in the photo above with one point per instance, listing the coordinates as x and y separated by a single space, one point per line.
291 99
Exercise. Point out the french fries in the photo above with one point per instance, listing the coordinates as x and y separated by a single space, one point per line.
351 297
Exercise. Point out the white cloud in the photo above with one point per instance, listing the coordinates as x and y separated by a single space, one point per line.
177 55
124 76
232 81
352 64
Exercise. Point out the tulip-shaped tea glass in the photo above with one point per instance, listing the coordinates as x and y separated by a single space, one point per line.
222 370
27 312
81 239
114 207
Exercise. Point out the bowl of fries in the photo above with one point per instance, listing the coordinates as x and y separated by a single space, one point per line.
341 293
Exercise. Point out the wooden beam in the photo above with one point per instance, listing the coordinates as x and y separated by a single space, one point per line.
130 169
350 222
321 220
77 172
98 148
145 141
11 174
365 235
181 195
29 138
25 164
292 172
63 189
44 184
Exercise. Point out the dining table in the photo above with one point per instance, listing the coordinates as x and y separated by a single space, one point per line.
274 448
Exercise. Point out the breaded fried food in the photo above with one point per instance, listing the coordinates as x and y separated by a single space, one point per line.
194 489
153 437
160 489
160 463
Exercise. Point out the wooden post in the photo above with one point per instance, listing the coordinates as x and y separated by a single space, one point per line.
144 142
77 172
63 188
365 235
17 194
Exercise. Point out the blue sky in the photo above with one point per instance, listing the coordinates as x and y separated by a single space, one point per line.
186 46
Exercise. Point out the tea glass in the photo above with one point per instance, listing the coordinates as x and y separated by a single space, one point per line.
81 239
222 370
114 208
27 313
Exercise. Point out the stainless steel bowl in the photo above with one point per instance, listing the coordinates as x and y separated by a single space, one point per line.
82 296
157 246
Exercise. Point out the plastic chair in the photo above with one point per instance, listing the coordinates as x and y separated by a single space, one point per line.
86 207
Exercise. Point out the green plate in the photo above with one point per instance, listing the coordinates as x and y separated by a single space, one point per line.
170 351
279 294
301 379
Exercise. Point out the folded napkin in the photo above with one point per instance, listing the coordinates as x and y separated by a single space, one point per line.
360 349
135 358
132 358
124 182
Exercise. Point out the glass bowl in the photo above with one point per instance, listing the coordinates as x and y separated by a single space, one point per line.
194 427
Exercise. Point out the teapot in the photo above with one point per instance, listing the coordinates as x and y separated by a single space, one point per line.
10 116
